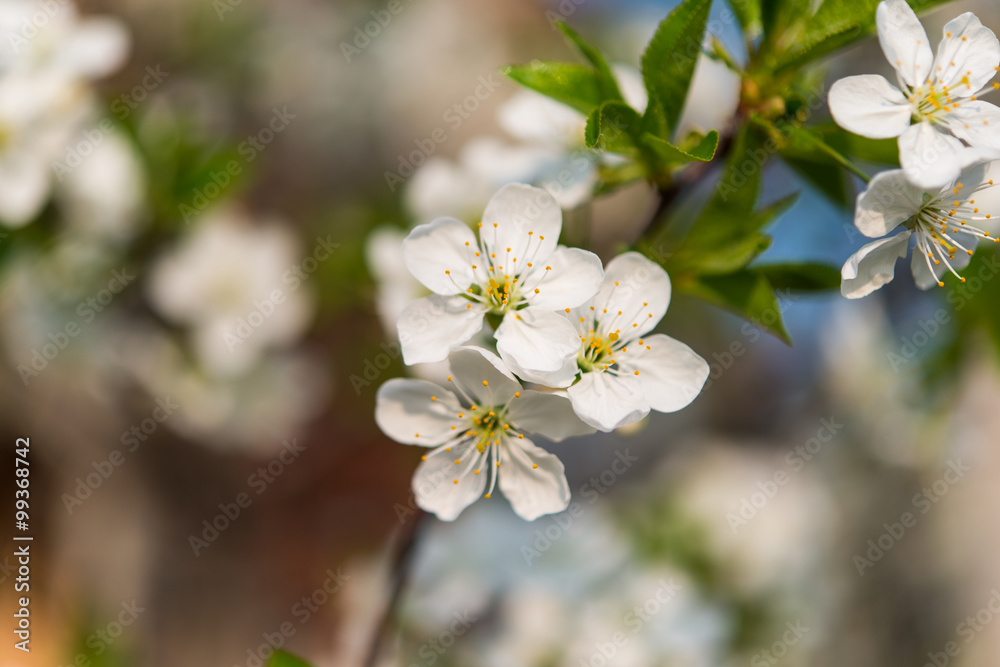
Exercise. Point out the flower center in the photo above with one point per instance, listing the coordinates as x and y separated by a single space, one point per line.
942 219
931 102
502 281
486 425
603 346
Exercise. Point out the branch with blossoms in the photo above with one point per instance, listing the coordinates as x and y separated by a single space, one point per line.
543 339
521 336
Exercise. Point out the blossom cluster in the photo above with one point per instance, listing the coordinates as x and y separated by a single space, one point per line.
947 137
560 321
47 62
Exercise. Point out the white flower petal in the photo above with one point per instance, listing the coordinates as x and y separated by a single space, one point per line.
571 178
534 118
671 375
538 340
923 276
978 123
24 188
439 254
532 491
444 487
712 100
548 414
639 288
525 219
927 274
443 188
904 41
632 87
574 277
967 56
563 377
873 265
499 163
95 48
474 366
870 106
889 201
431 327
931 159
607 402
417 412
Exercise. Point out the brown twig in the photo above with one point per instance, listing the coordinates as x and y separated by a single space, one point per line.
401 567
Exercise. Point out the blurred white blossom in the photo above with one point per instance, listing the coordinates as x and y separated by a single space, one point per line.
232 282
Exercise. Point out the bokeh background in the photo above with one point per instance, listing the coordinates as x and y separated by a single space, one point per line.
758 526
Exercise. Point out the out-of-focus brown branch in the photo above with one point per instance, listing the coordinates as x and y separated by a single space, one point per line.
405 543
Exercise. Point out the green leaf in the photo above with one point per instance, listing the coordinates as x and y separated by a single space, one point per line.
669 154
738 187
836 24
826 177
726 255
654 122
744 293
748 13
614 176
778 15
807 277
771 212
606 79
576 85
882 151
669 61
282 659
614 127
726 236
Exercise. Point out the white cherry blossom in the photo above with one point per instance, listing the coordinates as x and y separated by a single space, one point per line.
549 151
52 36
946 224
935 111
514 273
461 187
624 371
232 282
477 432
47 56
39 115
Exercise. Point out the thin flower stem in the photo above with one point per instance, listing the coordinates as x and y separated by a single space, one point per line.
816 142
843 161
